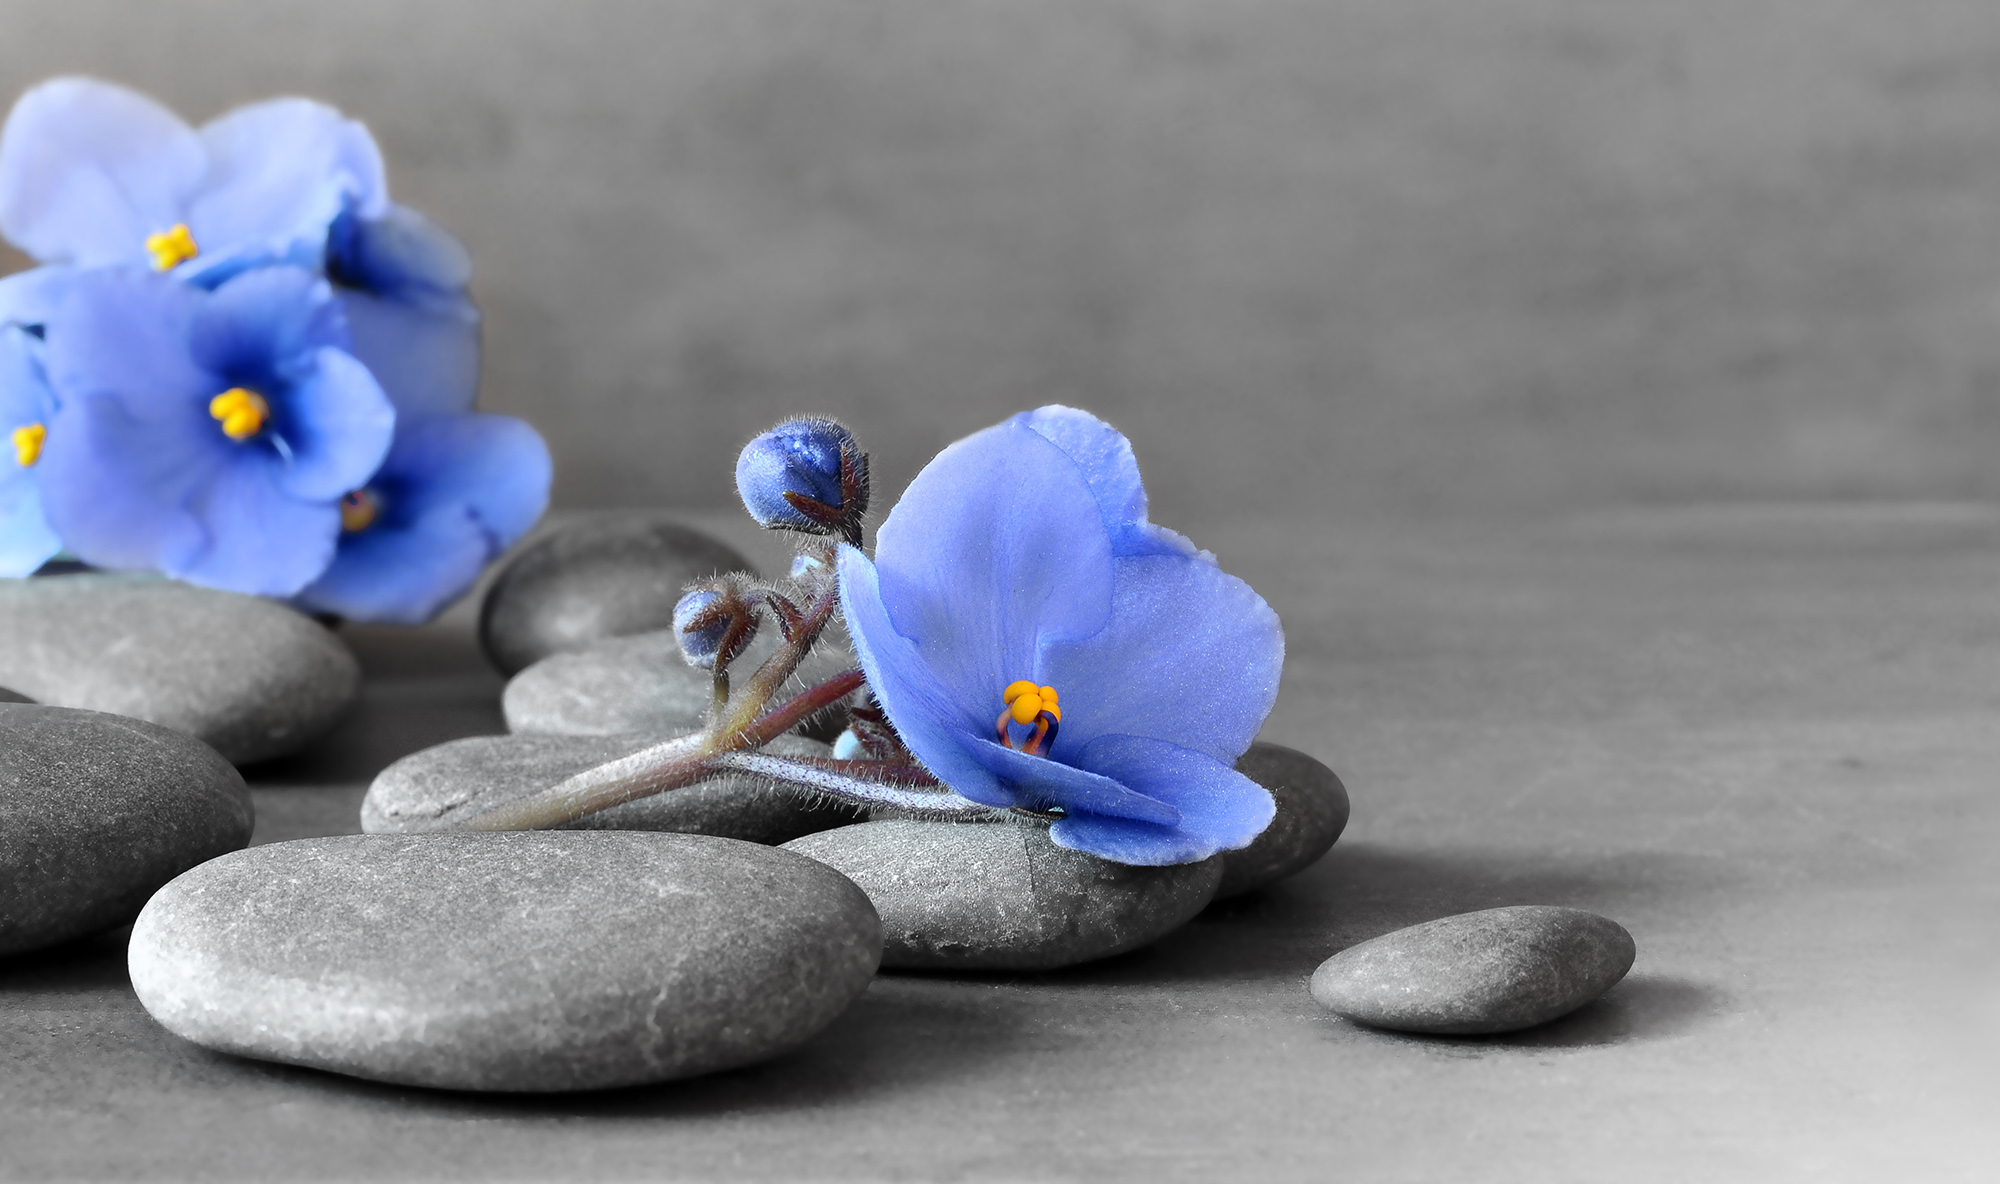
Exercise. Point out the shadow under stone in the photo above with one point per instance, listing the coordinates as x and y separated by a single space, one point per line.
1640 1007
86 964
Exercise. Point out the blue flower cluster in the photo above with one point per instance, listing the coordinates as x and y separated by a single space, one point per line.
240 364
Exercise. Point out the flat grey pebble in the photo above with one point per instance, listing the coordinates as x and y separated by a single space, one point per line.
1004 897
438 788
246 675
1312 811
1496 970
539 960
606 575
96 812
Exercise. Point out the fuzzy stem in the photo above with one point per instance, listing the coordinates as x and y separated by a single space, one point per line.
683 760
779 720
865 783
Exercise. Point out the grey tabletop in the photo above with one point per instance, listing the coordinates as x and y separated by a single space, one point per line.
1764 738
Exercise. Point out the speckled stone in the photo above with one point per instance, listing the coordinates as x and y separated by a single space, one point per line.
605 575
1496 970
438 788
246 675
1003 896
96 812
1312 811
528 961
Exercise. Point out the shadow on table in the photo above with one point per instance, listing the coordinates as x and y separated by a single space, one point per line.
1642 1007
86 964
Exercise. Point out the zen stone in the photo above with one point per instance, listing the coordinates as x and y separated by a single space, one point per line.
1004 897
1312 811
537 960
607 575
621 685
1497 970
247 675
96 812
438 788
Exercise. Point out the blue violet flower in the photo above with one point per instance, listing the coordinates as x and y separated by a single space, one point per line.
27 405
807 475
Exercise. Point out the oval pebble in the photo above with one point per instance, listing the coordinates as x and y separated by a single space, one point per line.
96 812
527 961
1004 897
246 675
1312 811
437 788
604 575
1497 970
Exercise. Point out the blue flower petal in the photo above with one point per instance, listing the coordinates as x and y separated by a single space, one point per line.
400 254
31 297
337 425
1111 468
1192 655
927 714
26 540
89 170
404 576
495 467
995 547
1221 809
1039 783
426 356
123 332
265 328
117 487
260 540
280 171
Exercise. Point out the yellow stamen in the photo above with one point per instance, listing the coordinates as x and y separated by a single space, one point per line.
243 412
172 247
28 443
1028 705
358 511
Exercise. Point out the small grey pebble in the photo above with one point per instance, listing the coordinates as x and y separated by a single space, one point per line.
246 675
1004 897
538 960
96 812
1496 970
1312 811
437 788
606 575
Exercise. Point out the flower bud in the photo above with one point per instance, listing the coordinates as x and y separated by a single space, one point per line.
713 624
807 475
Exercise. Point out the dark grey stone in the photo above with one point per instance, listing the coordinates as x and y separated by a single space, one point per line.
8 695
1312 811
439 787
528 961
96 812
607 575
1496 970
620 685
247 675
1004 897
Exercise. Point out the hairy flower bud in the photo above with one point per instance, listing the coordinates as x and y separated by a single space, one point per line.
713 623
807 475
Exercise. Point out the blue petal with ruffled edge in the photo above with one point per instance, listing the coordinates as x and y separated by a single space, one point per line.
1023 552
26 541
138 474
454 492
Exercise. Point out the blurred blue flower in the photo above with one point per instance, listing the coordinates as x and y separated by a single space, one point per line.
27 405
1038 644
454 492
206 435
807 475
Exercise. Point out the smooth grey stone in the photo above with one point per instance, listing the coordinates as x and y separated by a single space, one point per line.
1312 811
542 960
1004 897
247 675
96 812
439 788
606 575
1496 970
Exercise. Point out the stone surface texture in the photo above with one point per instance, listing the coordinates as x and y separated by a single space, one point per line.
604 575
246 675
96 812
522 962
1003 896
1496 970
437 788
1312 811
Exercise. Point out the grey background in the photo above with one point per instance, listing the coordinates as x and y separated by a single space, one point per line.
1384 255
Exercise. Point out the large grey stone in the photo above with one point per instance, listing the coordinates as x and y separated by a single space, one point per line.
247 675
1312 811
96 812
606 575
529 961
438 788
1003 896
1496 970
